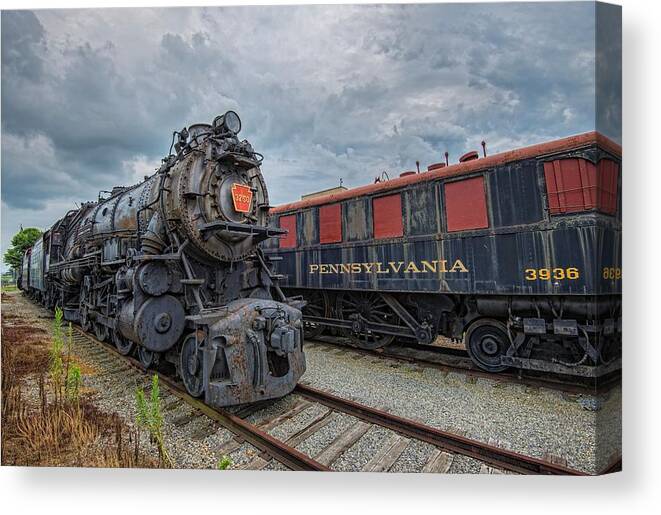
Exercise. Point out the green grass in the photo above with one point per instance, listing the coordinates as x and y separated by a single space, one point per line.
149 417
8 288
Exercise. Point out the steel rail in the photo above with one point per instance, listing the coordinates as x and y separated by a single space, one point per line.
285 454
500 458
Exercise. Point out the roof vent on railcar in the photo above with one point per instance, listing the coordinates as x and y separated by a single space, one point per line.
435 166
469 156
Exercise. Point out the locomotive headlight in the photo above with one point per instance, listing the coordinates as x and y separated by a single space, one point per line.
232 122
229 121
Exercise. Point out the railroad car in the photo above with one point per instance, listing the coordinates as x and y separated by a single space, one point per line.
171 269
517 253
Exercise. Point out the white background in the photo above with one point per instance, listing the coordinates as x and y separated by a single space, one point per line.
634 490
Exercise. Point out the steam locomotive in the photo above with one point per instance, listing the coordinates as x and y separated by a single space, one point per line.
171 269
518 254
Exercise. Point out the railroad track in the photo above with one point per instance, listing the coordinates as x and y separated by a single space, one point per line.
401 431
454 360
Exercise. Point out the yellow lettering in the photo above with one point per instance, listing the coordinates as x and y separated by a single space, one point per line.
368 267
333 269
429 267
323 269
314 268
355 268
458 267
411 267
397 268
345 269
380 270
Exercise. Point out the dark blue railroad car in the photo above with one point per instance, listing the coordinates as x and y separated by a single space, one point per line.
518 253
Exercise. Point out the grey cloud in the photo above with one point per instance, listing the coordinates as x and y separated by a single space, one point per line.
90 97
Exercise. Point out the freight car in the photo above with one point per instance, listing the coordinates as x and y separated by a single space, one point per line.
517 253
171 269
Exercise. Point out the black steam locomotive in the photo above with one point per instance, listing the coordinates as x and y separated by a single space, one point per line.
517 253
171 269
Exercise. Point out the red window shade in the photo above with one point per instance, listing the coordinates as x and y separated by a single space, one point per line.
330 223
575 185
608 173
289 240
387 216
466 205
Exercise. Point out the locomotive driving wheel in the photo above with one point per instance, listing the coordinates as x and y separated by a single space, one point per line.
371 307
124 345
190 366
317 306
486 341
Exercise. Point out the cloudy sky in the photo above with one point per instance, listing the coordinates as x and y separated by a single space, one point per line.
90 97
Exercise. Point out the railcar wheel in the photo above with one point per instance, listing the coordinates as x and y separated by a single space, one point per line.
486 341
101 331
317 306
190 366
124 345
148 359
372 308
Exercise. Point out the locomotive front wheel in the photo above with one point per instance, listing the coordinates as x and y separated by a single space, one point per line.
190 366
148 359
101 331
372 308
124 345
486 341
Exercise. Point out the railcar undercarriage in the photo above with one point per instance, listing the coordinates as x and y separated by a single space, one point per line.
579 336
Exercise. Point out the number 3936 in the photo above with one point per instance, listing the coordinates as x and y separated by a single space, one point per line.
548 274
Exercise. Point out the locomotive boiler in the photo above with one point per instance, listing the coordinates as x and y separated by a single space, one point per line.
171 269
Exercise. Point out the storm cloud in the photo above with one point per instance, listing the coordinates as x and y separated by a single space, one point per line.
90 97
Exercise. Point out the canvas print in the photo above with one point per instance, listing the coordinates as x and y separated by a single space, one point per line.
356 238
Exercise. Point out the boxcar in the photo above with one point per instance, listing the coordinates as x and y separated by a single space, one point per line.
518 253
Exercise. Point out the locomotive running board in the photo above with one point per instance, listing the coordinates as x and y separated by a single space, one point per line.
260 232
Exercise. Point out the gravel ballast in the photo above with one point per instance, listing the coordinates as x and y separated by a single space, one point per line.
534 421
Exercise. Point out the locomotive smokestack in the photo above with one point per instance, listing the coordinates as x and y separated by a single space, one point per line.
484 148
447 155
417 165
